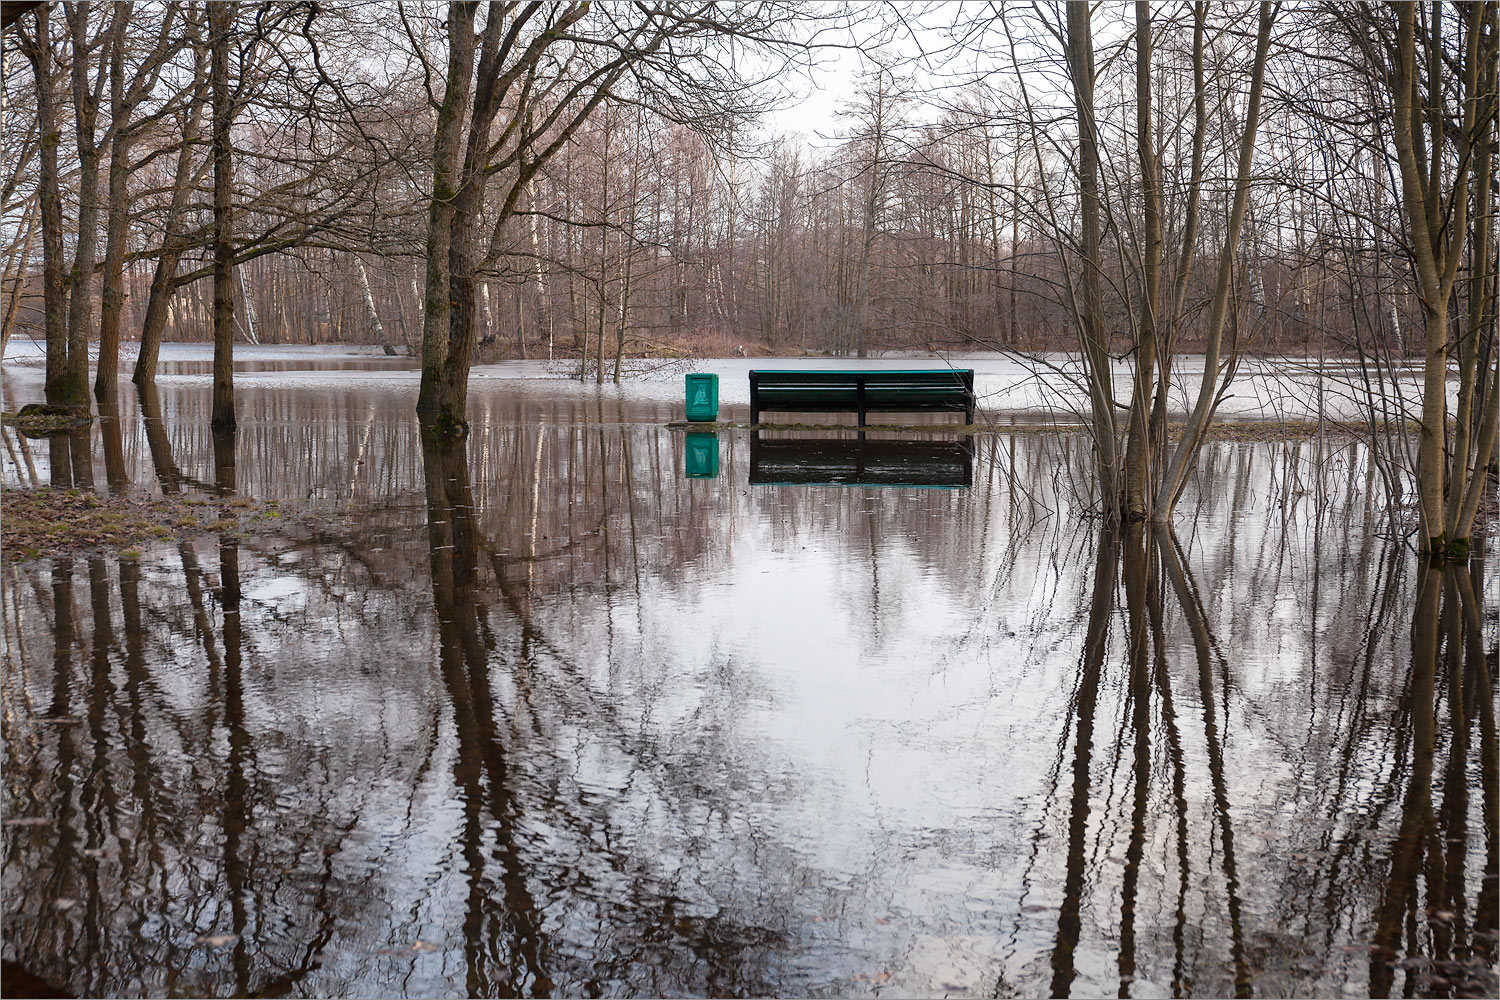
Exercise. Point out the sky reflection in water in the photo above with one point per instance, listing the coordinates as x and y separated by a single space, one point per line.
543 715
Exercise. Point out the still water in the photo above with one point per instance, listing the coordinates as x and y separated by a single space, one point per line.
546 714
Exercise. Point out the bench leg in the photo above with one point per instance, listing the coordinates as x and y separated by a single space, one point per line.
859 395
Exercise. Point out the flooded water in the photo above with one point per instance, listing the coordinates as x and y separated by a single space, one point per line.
580 706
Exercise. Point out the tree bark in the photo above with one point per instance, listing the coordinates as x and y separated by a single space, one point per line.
1138 448
86 98
1094 338
54 274
375 324
112 298
1436 246
221 22
1209 390
436 396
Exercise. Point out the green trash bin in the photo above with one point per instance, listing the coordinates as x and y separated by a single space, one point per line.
702 396
700 456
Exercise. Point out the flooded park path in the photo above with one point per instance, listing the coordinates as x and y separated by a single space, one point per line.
563 710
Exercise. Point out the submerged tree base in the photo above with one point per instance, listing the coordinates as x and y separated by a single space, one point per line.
1444 549
442 424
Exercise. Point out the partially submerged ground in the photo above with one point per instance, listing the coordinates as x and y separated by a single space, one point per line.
43 522
1232 430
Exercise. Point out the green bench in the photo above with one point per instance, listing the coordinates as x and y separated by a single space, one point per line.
862 392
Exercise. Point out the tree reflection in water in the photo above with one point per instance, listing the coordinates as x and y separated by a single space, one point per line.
533 714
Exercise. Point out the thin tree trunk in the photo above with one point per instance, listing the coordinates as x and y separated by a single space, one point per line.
75 386
112 299
54 274
221 22
252 334
632 207
1091 324
1138 450
1436 245
375 324
1209 390
18 283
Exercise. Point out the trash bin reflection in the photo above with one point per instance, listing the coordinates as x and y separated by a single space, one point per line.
700 456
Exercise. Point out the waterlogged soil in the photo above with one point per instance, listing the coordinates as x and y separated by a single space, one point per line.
584 705
1237 430
44 523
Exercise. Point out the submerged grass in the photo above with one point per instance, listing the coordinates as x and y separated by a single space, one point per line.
44 522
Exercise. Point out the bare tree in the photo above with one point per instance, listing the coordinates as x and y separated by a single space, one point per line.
220 25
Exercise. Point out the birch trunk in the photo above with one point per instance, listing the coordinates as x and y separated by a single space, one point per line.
375 324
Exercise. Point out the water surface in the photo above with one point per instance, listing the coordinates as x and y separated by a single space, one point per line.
543 714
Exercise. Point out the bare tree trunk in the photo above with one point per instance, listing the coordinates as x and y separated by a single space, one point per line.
1015 240
38 49
437 310
632 207
1095 339
1436 246
86 97
1209 391
375 324
1479 400
1167 339
184 180
874 195
221 22
18 282
252 334
1138 450
112 299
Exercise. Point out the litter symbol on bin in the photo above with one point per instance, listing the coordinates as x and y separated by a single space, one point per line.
703 396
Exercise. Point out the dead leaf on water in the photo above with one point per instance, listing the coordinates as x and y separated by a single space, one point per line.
28 821
62 904
218 940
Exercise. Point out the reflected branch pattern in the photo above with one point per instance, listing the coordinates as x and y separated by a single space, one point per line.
533 713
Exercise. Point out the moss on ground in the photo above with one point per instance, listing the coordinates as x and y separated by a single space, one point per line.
45 522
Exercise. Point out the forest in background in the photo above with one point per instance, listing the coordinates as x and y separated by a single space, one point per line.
931 220
593 182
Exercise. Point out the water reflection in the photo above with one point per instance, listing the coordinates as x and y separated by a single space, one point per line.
861 460
535 714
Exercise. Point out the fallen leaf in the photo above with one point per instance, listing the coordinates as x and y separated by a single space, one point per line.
62 904
28 821
218 940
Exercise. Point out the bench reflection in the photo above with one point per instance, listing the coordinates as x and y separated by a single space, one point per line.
860 460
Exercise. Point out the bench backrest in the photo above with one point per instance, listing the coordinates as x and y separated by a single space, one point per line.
955 379
874 389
